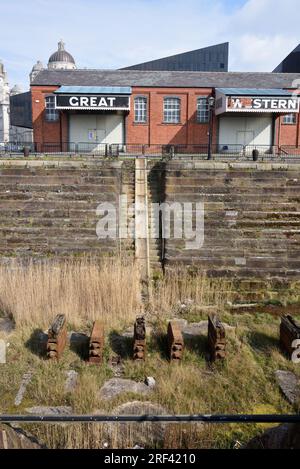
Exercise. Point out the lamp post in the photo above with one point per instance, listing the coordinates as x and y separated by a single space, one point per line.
211 104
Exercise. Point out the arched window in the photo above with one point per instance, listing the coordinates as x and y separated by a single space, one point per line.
52 114
202 110
172 110
140 109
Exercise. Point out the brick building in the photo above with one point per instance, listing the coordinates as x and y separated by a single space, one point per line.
89 108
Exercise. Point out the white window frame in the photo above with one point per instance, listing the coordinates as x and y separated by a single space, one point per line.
140 109
172 110
51 113
202 110
290 119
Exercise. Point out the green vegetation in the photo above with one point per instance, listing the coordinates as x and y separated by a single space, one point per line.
243 383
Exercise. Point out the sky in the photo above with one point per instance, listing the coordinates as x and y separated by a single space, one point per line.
118 33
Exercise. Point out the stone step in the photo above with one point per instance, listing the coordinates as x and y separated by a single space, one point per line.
210 178
53 195
290 172
217 272
45 204
24 213
55 231
259 264
16 172
37 188
45 180
232 196
42 223
44 250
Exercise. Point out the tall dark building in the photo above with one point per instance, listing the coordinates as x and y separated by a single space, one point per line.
291 64
208 59
21 110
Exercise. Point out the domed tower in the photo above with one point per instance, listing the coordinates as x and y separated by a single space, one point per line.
35 70
61 59
16 89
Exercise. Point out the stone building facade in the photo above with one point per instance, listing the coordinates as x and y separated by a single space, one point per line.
10 128
4 105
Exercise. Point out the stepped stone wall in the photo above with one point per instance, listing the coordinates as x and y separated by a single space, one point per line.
48 208
252 220
252 213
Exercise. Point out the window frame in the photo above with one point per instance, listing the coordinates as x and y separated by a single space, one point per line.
170 110
53 111
136 98
293 119
199 111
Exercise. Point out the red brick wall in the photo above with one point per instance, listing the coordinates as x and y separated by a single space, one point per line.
46 132
288 134
156 131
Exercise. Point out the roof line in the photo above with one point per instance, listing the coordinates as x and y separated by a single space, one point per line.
192 72
177 54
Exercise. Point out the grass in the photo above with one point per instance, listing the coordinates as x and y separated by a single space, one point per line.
243 383
83 290
180 291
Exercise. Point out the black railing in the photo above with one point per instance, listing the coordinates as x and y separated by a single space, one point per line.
287 418
169 150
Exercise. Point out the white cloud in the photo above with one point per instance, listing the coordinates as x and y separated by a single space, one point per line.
263 33
113 34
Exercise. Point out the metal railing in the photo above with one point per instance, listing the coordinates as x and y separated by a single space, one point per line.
199 151
151 418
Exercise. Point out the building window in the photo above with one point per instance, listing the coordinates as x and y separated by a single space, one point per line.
140 110
171 110
289 119
52 115
202 110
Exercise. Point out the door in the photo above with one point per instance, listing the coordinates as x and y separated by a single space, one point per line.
95 139
93 131
240 130
100 139
244 137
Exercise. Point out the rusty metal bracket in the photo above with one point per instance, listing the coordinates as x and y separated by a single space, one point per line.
139 345
175 342
57 338
216 338
289 335
96 344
